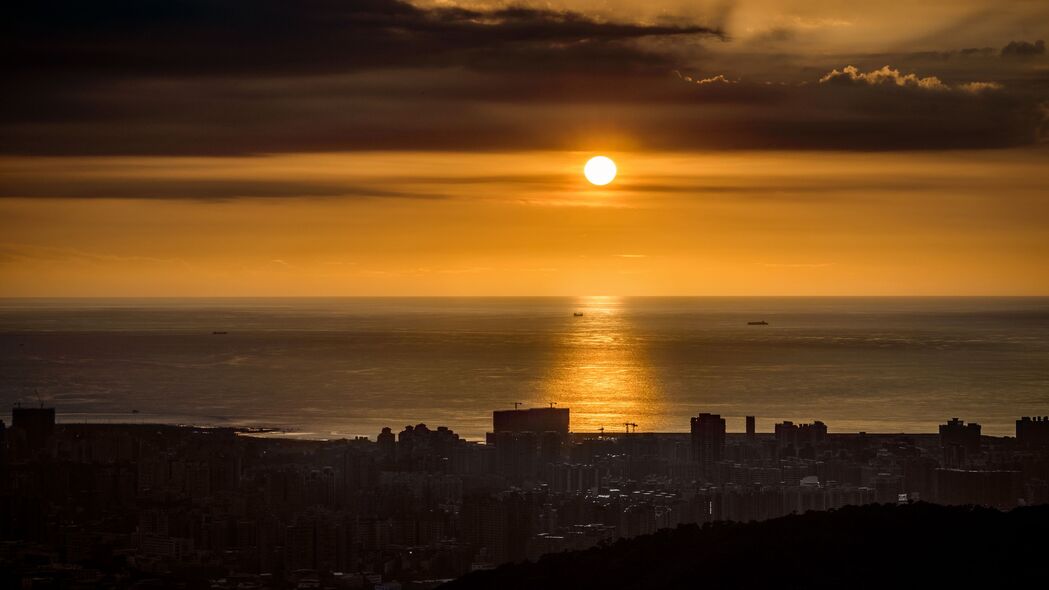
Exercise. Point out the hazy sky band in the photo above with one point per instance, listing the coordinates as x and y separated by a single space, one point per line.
502 224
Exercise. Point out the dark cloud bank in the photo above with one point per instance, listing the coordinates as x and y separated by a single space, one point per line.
241 77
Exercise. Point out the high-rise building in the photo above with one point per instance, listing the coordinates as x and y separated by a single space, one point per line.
38 424
315 541
960 441
812 434
1033 433
786 435
791 437
387 443
537 420
484 521
998 488
708 441
751 428
517 453
528 438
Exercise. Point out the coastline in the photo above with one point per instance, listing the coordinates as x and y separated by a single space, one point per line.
278 433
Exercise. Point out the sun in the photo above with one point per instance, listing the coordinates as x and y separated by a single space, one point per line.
600 170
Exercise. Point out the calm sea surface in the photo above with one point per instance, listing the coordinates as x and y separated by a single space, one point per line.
340 367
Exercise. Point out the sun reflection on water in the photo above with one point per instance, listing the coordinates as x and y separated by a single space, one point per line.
602 372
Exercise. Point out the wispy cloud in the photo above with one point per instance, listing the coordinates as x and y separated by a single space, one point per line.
887 76
33 253
797 264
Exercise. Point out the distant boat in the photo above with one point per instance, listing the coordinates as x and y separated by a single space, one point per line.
761 323
219 333
578 314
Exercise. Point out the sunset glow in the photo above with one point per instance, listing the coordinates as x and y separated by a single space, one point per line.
799 148
508 294
600 170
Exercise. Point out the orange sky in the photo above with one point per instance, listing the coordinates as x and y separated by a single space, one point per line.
435 147
739 223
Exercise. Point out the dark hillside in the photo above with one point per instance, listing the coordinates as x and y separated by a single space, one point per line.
876 546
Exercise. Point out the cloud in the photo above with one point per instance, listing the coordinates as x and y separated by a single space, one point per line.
36 254
1023 49
305 37
886 76
718 79
1043 123
883 76
975 87
798 264
117 187
240 77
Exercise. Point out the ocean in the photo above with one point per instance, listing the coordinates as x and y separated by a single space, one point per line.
342 367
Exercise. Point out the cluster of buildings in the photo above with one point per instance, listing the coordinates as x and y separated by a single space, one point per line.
88 505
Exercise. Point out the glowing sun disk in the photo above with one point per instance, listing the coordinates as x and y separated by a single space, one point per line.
600 170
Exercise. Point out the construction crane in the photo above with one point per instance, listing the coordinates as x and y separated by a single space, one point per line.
552 404
517 405
628 425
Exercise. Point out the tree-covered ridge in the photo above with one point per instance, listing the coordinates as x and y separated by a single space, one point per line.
854 547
